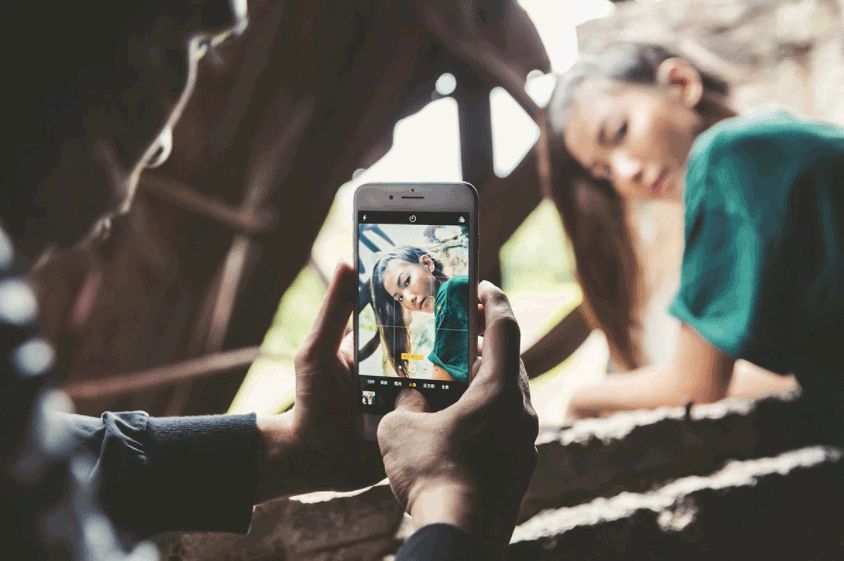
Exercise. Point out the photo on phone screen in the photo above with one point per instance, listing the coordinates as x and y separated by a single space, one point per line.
413 319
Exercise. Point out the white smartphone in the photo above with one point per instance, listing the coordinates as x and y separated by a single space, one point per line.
416 249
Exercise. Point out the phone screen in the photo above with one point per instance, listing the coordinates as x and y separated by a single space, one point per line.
413 308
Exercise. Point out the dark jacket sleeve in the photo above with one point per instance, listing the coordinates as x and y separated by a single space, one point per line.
172 473
440 542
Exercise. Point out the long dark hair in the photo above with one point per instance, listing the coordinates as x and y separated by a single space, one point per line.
388 312
593 215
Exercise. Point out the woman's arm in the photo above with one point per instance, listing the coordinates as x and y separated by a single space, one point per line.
699 373
441 374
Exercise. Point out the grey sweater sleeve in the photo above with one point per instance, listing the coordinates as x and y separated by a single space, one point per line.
172 473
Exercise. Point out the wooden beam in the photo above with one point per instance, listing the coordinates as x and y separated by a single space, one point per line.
133 382
557 345
475 122
186 197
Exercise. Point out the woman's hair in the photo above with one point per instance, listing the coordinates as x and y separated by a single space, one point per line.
388 312
593 214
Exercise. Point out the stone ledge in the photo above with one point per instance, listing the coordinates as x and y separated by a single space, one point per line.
353 526
785 507
637 450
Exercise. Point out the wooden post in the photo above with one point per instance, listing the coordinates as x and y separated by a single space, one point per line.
475 121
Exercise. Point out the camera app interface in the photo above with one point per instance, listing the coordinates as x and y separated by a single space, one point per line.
413 322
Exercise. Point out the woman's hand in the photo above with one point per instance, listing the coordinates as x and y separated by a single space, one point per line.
316 446
468 465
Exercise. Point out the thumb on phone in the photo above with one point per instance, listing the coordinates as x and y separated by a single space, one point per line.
411 400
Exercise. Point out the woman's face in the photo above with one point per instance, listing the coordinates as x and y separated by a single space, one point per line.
413 285
635 136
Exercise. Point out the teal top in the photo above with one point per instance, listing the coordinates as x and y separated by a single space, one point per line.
763 269
451 324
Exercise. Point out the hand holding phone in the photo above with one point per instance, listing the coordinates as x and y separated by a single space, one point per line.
316 445
416 255
468 465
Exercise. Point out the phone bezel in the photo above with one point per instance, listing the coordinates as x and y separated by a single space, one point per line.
420 197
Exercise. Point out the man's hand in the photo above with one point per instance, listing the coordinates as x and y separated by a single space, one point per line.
468 465
315 446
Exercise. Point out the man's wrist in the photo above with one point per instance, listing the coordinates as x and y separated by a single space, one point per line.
461 505
276 462
446 503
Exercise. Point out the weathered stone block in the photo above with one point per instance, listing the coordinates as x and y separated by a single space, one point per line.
634 451
763 48
357 526
787 507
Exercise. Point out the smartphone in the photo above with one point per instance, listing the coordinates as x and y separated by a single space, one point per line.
416 249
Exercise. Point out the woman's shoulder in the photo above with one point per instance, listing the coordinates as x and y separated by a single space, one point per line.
457 282
760 154
456 287
776 136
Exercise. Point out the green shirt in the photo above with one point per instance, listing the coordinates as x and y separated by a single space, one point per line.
763 269
451 324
